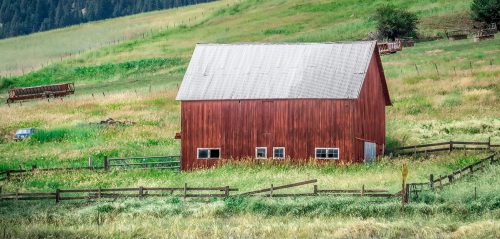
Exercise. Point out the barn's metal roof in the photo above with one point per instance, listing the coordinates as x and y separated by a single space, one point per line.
276 71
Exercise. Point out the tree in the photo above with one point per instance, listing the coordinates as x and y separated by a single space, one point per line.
487 11
393 22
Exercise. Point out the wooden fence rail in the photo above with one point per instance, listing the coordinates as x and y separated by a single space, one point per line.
449 146
140 192
441 181
185 192
170 162
270 191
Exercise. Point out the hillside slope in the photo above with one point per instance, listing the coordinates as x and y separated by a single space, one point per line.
247 20
24 54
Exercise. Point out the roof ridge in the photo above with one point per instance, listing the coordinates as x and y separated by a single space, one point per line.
286 43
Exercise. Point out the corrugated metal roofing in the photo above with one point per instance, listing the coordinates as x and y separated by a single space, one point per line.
276 71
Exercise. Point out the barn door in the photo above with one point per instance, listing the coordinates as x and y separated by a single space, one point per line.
370 152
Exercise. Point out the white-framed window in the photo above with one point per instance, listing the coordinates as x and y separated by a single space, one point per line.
208 153
278 152
261 152
327 153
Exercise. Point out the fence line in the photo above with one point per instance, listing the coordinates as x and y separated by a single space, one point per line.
213 192
140 192
171 162
449 146
442 181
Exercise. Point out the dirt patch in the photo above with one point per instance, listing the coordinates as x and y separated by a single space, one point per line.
493 51
434 52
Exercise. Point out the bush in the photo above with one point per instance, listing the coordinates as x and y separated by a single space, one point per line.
5 83
393 23
487 11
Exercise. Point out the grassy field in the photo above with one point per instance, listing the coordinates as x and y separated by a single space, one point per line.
450 213
440 90
244 20
31 52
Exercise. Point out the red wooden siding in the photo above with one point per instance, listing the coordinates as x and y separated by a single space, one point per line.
237 127
370 110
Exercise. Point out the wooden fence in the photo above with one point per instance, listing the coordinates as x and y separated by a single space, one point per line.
184 192
159 162
12 172
362 192
139 192
441 181
441 147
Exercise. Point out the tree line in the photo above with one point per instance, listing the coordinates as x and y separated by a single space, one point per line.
20 17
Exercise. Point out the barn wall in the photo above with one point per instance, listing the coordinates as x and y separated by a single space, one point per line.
237 127
369 111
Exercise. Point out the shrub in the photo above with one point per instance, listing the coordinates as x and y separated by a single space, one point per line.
487 11
6 83
393 23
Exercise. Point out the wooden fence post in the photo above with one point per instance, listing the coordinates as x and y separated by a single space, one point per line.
450 179
185 190
407 193
431 181
90 162
315 189
489 143
58 195
271 192
8 173
451 146
226 191
106 163
465 149
141 191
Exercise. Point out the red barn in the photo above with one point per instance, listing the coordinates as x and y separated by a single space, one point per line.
272 101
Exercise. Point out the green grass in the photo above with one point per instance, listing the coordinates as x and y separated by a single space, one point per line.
35 51
454 211
138 79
